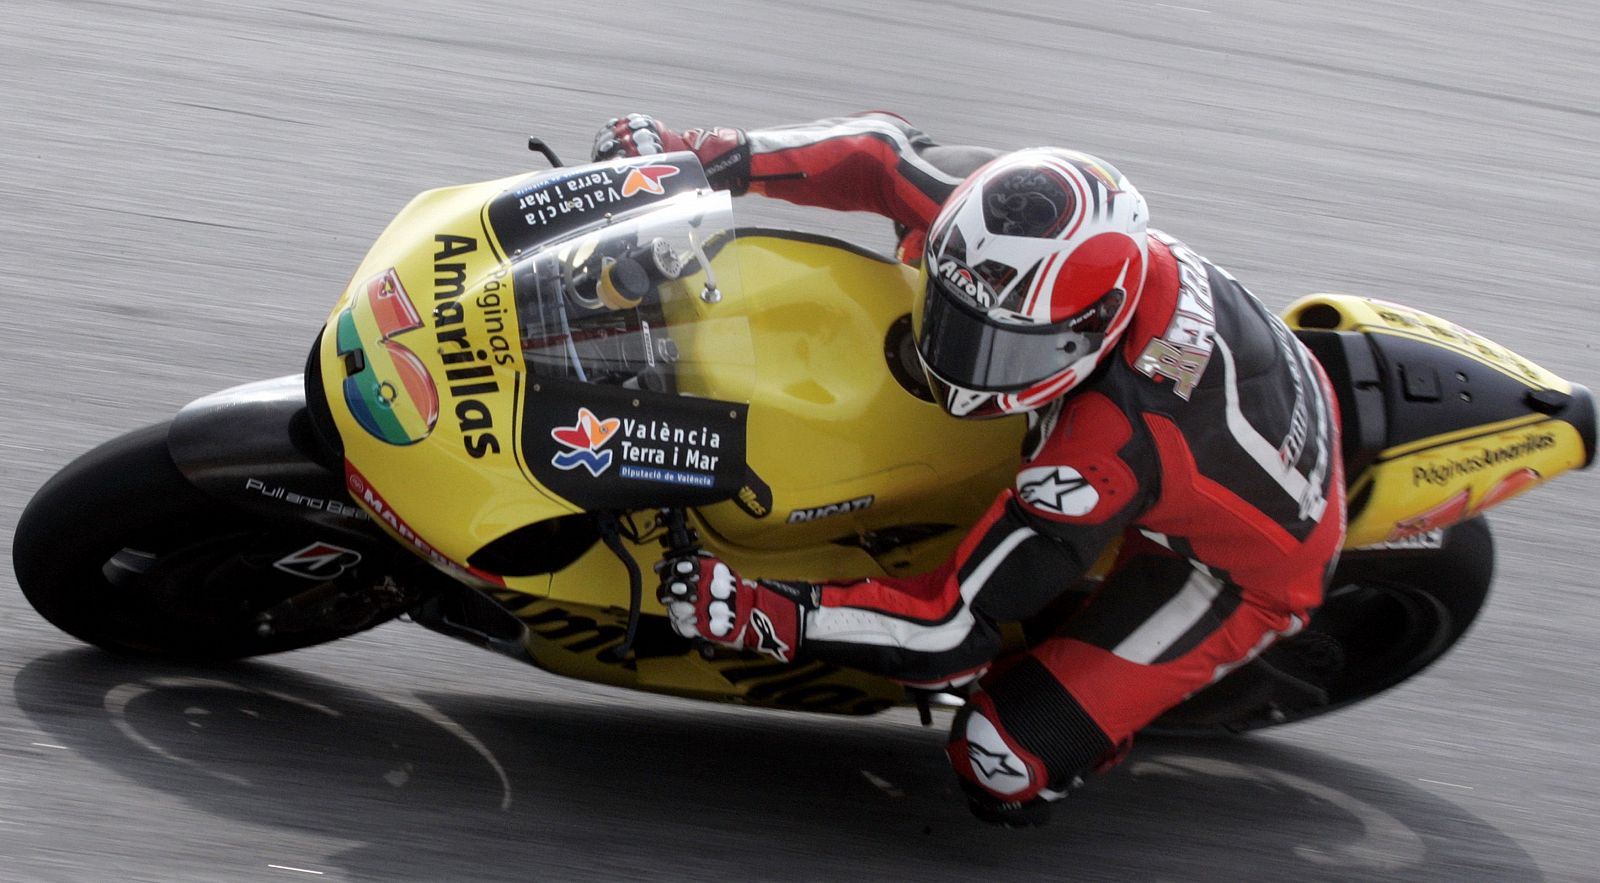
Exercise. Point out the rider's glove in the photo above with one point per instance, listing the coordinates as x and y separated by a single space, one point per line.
725 153
706 599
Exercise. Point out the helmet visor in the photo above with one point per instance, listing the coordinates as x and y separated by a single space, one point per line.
965 347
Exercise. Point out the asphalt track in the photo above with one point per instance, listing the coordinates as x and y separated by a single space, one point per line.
185 186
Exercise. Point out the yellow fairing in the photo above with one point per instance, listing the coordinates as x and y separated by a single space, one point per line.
1432 482
842 456
850 473
843 452
845 449
459 486
572 639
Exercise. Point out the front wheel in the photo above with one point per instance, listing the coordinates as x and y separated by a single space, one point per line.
119 550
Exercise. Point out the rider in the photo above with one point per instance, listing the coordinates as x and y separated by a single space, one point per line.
1166 407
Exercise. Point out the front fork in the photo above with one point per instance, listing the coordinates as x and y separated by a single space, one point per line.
679 540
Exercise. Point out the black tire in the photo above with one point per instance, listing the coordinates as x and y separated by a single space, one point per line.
120 551
1387 616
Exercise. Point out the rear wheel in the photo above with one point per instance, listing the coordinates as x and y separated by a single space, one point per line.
1387 615
119 550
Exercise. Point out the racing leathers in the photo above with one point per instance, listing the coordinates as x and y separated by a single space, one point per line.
1208 443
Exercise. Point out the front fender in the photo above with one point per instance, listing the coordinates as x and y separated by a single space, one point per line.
253 446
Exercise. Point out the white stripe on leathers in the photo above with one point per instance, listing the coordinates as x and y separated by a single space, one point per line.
853 625
1158 633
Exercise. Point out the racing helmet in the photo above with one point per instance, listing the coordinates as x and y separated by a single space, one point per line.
1032 271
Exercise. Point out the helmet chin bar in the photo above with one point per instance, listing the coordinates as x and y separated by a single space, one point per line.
976 404
963 402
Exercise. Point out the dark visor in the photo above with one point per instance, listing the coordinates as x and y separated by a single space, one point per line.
965 348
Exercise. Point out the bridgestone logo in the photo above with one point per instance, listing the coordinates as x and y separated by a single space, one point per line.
1449 470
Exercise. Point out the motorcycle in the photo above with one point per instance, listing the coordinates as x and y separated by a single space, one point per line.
535 388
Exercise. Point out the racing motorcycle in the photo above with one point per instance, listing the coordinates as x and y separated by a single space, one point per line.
535 388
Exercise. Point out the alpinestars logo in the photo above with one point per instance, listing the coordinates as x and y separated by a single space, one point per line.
993 760
770 643
585 440
989 764
1057 489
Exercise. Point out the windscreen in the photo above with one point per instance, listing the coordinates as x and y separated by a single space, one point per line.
637 355
637 303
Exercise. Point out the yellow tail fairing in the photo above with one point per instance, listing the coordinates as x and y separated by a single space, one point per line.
1465 423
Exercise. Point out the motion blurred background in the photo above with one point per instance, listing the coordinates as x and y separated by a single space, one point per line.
186 186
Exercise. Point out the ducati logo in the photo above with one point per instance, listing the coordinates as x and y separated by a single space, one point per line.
1061 490
319 561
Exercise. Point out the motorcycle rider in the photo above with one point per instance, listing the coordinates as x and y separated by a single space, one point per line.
1166 406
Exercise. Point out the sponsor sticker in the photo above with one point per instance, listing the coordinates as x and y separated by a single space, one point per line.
1446 470
584 441
646 179
386 387
557 203
1459 507
473 352
659 450
755 495
321 504
319 562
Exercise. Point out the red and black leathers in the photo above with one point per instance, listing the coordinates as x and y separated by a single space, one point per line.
1209 443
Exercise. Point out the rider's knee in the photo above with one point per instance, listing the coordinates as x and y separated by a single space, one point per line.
1022 742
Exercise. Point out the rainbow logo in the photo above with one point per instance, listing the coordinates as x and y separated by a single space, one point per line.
583 441
387 388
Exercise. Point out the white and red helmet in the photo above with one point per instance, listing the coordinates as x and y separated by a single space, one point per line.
1034 267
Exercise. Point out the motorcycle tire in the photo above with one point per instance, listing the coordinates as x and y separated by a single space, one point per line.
1387 616
120 551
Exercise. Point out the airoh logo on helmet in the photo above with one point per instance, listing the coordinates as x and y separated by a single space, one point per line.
966 282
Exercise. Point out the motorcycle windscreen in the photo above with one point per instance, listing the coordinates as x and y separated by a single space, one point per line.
638 357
